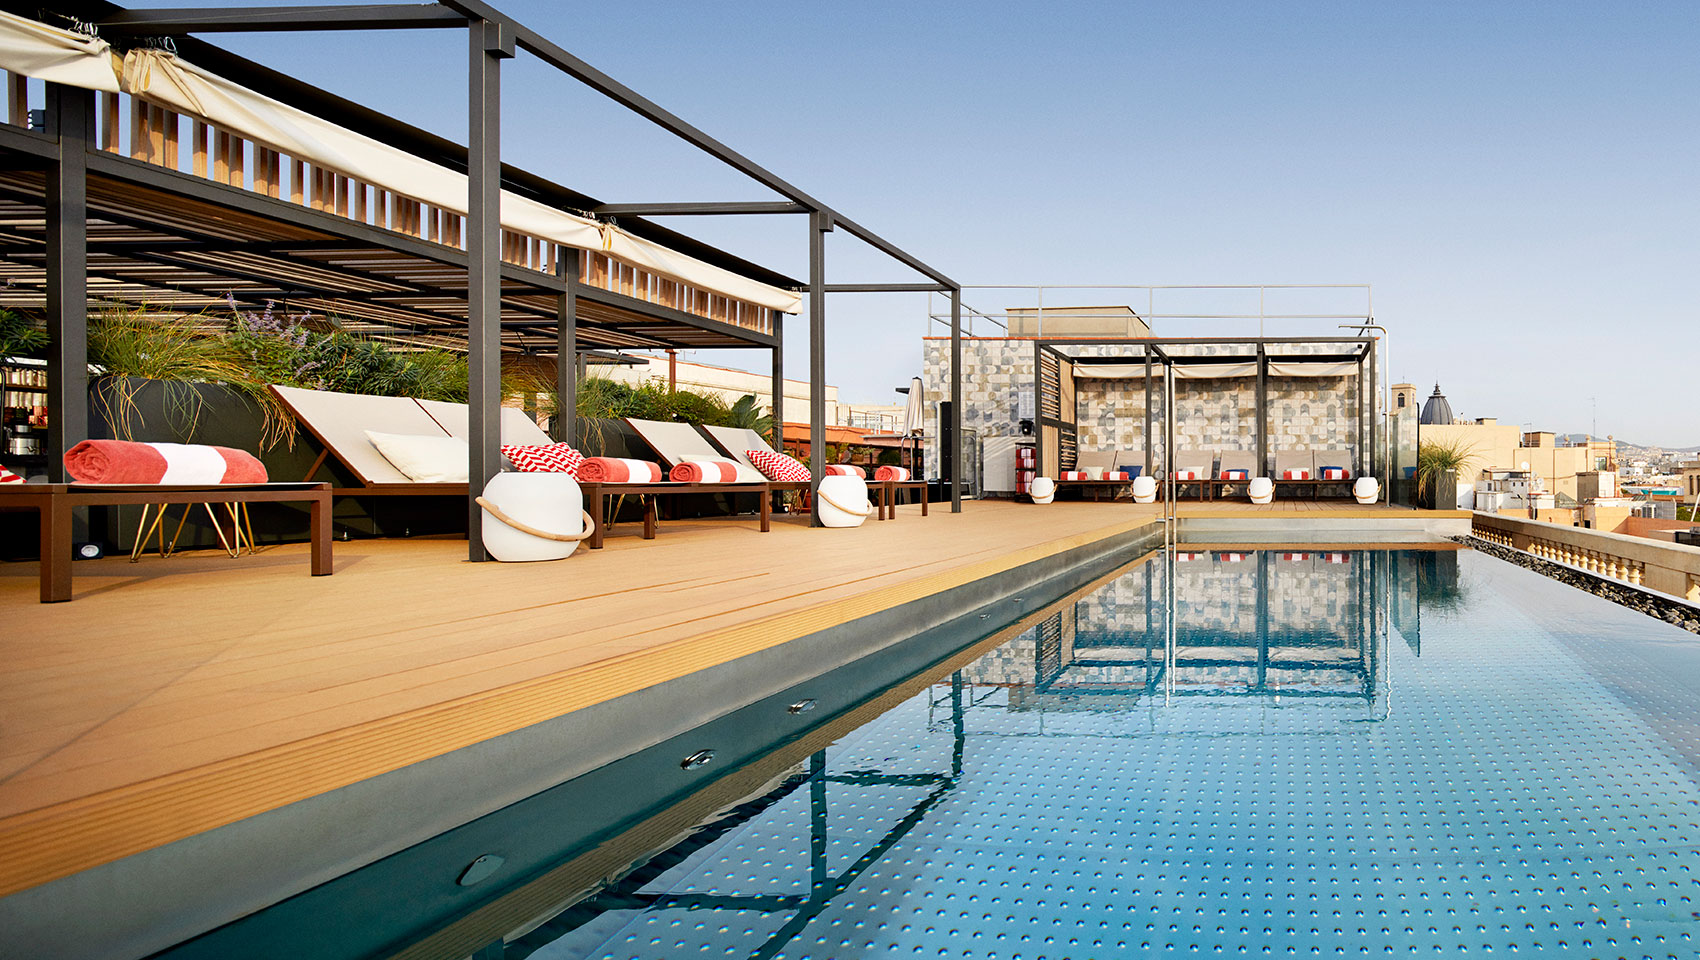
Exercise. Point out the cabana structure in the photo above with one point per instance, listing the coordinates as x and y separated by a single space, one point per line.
1153 398
144 165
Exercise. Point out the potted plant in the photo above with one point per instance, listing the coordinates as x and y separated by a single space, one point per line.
1439 463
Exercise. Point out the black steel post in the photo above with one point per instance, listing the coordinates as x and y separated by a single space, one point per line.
1263 413
483 270
957 460
777 405
1147 443
819 225
70 117
565 426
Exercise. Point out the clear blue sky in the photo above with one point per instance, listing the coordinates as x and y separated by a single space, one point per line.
1520 181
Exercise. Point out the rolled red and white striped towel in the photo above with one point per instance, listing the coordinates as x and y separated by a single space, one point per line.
1335 557
1076 475
888 472
1230 557
617 470
7 476
844 470
1187 475
1117 475
1336 473
124 461
1295 557
1296 475
1235 475
704 471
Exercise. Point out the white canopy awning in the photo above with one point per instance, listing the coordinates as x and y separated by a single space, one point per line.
1214 371
34 49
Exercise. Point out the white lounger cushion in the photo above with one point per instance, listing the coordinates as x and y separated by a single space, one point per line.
678 443
517 425
424 459
341 421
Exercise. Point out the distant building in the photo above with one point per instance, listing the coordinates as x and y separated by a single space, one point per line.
1105 321
1404 397
1436 410
1691 479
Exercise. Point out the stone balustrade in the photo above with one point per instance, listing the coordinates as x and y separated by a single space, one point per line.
1666 567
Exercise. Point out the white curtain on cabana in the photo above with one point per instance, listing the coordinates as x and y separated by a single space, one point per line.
1302 368
34 49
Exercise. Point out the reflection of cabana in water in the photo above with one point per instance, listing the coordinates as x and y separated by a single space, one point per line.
1303 625
1251 403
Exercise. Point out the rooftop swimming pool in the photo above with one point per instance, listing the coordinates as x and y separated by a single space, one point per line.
1362 752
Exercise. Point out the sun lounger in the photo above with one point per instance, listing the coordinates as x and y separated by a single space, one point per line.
1092 469
55 501
1235 467
517 425
1194 466
1304 468
736 442
677 443
339 421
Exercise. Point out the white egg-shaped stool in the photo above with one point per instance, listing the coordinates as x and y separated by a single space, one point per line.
1367 490
1261 490
1043 489
1144 489
843 501
533 516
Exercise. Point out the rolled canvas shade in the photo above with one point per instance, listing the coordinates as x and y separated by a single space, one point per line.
172 82
1215 371
1311 369
34 49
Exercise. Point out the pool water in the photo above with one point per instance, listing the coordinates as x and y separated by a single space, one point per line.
1281 753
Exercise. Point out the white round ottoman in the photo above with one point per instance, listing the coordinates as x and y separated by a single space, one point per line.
843 501
1043 489
1144 489
1261 490
1367 490
533 516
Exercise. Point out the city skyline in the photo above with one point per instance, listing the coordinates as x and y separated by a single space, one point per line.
1514 180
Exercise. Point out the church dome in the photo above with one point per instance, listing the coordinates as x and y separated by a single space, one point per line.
1436 410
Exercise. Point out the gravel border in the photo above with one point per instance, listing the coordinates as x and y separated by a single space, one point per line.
1675 613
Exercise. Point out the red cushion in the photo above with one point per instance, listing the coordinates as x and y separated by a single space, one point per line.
778 467
7 476
543 458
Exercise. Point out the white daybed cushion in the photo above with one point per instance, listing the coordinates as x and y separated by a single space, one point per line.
424 459
678 443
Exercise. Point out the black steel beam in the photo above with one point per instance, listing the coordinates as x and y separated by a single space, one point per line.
70 119
564 424
820 224
888 288
487 49
956 460
777 406
560 59
377 16
695 209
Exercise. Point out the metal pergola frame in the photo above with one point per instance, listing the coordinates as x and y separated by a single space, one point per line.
1153 351
68 153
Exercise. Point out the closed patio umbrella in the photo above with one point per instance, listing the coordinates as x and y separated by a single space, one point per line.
915 422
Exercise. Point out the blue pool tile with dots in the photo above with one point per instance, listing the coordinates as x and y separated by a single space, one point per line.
1364 753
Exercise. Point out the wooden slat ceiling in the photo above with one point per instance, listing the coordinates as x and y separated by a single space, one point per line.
182 253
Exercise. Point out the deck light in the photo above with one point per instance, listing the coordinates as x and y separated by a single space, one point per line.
480 869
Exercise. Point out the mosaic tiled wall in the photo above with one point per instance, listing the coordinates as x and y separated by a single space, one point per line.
1216 415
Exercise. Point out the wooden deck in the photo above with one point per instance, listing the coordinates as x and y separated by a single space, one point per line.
174 696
